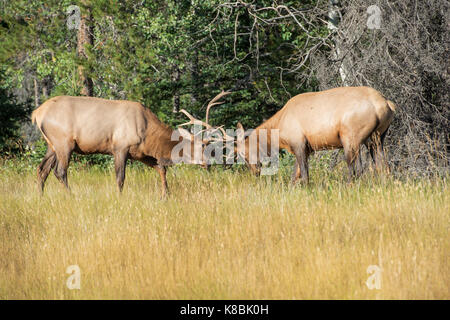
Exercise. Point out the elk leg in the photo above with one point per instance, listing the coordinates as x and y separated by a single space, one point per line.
382 155
351 156
152 162
358 164
371 148
45 167
62 164
301 154
377 151
162 173
295 172
120 163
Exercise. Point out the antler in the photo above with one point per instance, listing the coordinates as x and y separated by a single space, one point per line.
193 120
227 137
214 102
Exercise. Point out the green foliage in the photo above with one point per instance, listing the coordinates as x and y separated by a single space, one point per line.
11 114
152 51
155 52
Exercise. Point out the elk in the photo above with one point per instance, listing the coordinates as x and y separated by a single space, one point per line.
124 129
344 117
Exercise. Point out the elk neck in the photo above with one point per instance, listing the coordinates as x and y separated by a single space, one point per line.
157 142
266 128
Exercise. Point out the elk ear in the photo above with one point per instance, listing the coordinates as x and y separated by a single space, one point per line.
240 133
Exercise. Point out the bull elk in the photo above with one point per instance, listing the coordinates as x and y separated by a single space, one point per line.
124 129
345 117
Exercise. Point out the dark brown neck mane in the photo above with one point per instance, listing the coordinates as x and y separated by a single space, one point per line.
158 142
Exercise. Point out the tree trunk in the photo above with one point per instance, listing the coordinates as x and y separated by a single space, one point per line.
45 90
176 96
334 17
195 78
36 93
85 37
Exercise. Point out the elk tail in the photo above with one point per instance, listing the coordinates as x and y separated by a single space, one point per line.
36 118
33 116
391 105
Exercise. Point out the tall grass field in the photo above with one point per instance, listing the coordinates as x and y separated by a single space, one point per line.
223 234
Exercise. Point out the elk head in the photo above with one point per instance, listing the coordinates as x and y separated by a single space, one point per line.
243 150
208 130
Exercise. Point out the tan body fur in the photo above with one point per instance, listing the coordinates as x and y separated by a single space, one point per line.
89 125
345 117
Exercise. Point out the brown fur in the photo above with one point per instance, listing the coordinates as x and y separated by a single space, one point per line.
89 125
344 117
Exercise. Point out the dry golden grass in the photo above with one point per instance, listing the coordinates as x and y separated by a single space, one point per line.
223 235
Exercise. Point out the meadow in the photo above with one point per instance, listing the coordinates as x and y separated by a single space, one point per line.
223 234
